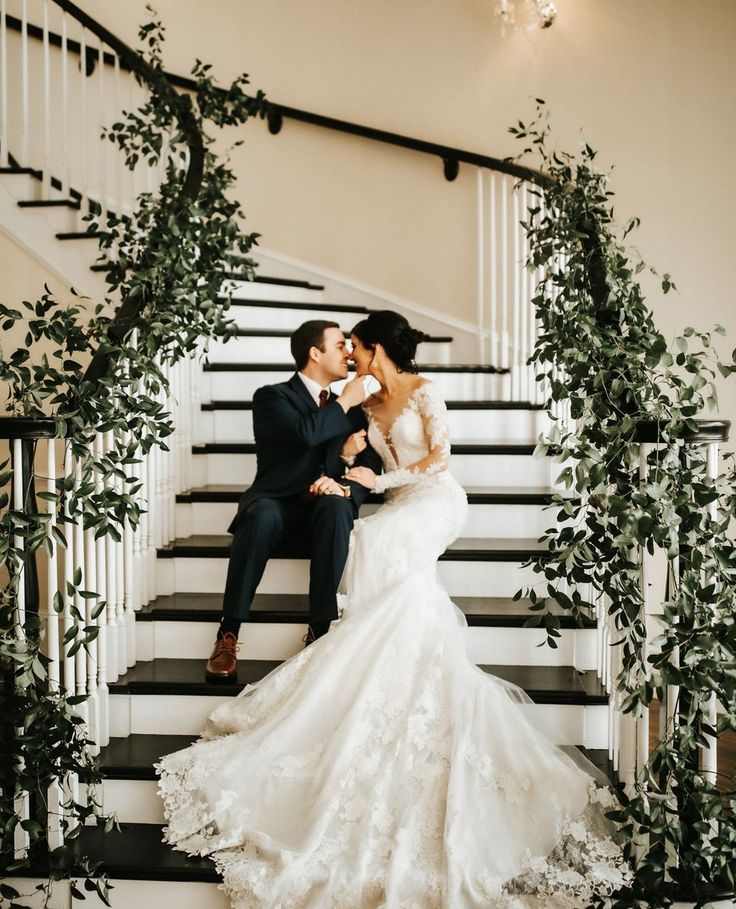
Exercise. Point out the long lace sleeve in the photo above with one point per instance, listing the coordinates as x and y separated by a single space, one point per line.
433 412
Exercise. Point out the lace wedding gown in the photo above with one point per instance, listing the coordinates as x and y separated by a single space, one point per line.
379 768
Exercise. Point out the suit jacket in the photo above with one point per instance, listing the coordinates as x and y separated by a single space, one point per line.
297 442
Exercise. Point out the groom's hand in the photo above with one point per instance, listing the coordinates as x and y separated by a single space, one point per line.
353 393
354 444
326 486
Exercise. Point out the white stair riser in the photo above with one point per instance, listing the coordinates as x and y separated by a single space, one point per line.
171 714
500 470
236 385
278 350
270 317
460 579
126 894
279 293
278 641
465 425
135 894
484 521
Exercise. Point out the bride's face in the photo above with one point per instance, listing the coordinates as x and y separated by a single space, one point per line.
362 357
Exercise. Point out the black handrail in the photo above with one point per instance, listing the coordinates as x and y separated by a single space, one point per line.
450 156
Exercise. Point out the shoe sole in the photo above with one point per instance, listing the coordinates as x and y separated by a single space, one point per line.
221 679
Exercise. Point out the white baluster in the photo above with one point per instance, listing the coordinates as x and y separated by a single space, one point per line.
69 533
709 755
125 586
101 586
65 165
89 604
642 730
52 585
81 661
4 161
504 359
525 316
172 474
102 145
46 184
516 312
492 272
54 795
114 643
24 87
21 839
480 266
118 163
84 128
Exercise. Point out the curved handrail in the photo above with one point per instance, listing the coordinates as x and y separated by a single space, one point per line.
133 62
130 307
451 157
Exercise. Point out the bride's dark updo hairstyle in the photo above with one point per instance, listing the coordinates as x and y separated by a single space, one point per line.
394 334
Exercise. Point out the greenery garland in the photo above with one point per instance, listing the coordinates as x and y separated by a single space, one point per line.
107 374
614 372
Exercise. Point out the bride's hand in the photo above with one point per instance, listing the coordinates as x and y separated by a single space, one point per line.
362 475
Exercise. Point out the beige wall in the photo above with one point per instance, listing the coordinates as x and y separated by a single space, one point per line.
651 84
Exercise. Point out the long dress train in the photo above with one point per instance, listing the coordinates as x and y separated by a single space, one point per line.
379 768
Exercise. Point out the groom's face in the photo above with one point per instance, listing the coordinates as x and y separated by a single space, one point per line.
333 360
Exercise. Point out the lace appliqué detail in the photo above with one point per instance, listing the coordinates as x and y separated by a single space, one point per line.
418 441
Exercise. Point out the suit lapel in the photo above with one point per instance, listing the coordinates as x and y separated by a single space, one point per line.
300 389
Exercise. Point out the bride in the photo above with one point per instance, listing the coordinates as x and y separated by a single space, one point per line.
379 768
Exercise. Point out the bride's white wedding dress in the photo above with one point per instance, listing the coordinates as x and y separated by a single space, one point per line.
379 768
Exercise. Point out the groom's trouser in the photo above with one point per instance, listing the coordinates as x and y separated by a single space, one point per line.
319 529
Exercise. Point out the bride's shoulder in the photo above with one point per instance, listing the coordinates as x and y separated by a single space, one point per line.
426 388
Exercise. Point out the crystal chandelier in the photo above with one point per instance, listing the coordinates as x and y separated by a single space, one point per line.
538 13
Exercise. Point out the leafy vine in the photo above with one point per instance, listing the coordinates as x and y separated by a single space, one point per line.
107 374
612 371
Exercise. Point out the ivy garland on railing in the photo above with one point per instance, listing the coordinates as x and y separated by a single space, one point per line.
106 374
614 373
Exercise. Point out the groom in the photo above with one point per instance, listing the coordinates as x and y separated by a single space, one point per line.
304 435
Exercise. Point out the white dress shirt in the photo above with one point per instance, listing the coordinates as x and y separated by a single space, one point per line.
314 388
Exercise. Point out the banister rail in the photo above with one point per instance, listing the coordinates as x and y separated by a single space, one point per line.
451 156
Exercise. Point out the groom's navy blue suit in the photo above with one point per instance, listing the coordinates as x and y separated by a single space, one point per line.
296 442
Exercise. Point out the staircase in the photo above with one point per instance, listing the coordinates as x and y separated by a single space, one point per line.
161 704
155 699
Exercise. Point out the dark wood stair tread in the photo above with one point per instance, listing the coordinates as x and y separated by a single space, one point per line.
135 852
289 304
81 235
293 608
477 495
203 546
48 203
286 333
132 758
472 368
451 405
543 684
271 279
458 447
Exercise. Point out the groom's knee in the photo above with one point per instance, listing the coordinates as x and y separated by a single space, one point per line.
335 511
263 518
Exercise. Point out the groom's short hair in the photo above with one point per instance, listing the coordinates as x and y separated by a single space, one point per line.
308 335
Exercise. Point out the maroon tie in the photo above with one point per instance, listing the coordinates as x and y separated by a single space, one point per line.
323 396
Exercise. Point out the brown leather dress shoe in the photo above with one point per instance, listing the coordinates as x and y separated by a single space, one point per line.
222 665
